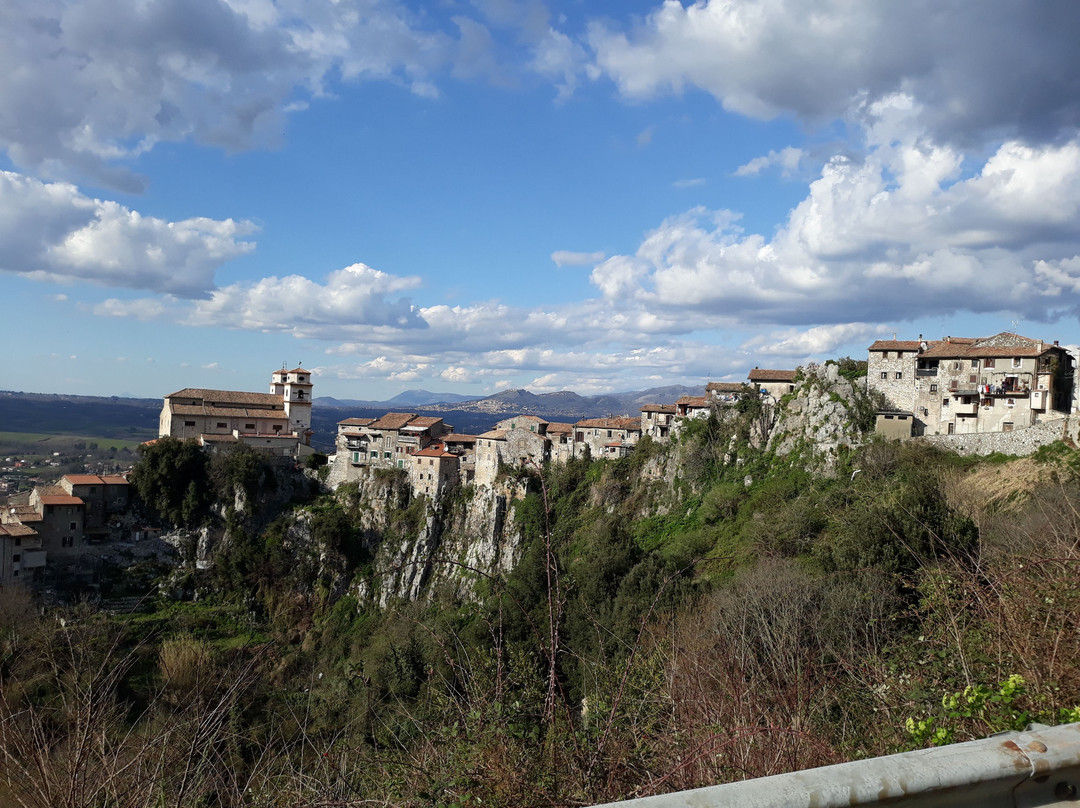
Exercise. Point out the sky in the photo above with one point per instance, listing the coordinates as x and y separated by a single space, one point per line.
473 195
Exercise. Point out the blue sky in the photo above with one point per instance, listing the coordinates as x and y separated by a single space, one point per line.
471 195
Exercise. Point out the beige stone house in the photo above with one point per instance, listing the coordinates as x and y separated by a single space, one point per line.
774 383
657 420
433 470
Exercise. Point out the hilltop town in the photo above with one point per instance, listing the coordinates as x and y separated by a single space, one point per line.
950 391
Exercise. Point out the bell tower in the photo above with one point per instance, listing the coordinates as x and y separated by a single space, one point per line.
294 386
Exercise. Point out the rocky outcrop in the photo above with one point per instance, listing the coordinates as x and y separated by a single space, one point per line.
820 414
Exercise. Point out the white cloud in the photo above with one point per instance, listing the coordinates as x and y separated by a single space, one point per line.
565 258
787 158
692 183
50 231
822 340
901 234
817 60
355 297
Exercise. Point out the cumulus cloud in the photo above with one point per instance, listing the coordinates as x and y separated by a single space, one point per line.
992 68
353 297
51 231
566 258
904 232
91 83
691 183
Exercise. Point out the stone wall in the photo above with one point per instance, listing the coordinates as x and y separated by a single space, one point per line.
1018 442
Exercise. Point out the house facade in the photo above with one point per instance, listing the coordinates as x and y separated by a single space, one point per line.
772 383
965 385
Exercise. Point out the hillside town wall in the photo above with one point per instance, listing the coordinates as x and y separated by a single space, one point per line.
1020 442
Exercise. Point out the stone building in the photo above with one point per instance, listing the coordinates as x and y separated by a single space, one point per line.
965 385
433 470
657 420
598 434
774 383
278 422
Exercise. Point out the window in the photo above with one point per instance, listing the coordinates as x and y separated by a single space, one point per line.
375 454
73 526
988 363
277 427
884 374
68 541
899 374
356 457
17 557
249 426
933 388
1007 426
386 454
300 394
1017 361
974 364
18 542
945 402
1010 402
189 423
956 366
221 424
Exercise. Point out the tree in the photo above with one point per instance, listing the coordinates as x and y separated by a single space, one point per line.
171 478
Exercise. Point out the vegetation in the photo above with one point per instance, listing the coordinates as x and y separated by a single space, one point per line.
697 612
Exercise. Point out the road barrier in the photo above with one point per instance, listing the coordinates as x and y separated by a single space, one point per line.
1038 767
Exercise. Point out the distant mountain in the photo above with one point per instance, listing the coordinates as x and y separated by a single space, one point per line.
408 399
414 398
566 405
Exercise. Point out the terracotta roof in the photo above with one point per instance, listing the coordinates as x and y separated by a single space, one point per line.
227 396
494 434
724 387
356 422
23 513
434 450
83 479
945 350
114 479
60 499
219 438
632 424
763 375
557 428
665 408
896 345
278 411
463 439
18 529
425 421
393 420
694 401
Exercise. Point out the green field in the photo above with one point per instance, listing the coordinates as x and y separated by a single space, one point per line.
43 443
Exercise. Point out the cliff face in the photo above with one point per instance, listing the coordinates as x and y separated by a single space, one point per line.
824 412
420 546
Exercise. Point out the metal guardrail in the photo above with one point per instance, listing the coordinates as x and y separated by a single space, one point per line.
1039 767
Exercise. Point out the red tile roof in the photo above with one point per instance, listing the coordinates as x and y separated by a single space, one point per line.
631 424
114 479
661 408
228 397
60 499
763 375
393 420
83 479
356 422
694 401
724 387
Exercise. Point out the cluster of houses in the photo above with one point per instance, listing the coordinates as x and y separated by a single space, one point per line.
963 385
436 458
56 523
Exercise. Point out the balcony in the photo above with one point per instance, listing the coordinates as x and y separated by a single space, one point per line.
926 372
